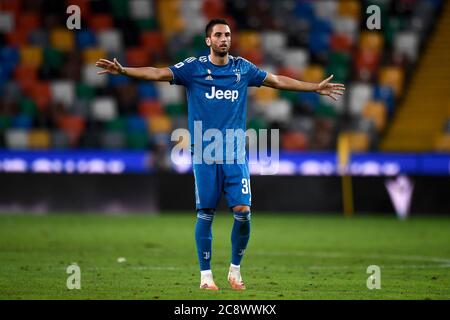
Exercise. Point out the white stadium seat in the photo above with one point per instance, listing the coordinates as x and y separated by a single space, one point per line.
104 108
359 94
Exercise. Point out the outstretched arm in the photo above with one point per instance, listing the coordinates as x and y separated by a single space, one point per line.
144 73
326 88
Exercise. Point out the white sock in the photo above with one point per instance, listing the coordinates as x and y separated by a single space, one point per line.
235 267
204 273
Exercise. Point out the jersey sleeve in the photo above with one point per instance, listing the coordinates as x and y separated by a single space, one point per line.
256 76
182 72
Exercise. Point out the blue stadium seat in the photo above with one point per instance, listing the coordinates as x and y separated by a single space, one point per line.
309 99
147 90
135 123
9 55
117 80
386 94
85 38
22 121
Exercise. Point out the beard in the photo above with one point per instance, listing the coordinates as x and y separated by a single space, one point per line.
219 51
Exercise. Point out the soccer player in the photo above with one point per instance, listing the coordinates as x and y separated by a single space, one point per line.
216 87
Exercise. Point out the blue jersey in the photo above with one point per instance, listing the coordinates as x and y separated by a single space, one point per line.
217 95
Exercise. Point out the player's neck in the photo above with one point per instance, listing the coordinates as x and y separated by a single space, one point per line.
218 60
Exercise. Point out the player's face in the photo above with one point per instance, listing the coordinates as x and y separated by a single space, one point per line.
220 39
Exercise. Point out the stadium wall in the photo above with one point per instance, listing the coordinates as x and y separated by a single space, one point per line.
40 193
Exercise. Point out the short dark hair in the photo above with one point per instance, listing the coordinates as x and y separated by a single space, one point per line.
212 23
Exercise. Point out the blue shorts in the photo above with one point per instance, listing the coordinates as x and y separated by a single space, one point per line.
213 179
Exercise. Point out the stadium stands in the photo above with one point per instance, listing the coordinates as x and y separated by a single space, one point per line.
52 97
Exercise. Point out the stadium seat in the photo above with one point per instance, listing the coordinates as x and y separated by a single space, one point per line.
148 108
85 38
135 123
100 22
38 38
73 126
265 94
59 140
392 76
341 42
359 95
137 140
28 21
39 139
393 26
116 124
31 56
386 95
53 58
152 41
28 107
325 9
294 141
366 64
147 90
376 111
137 57
249 40
91 55
63 92
91 78
296 58
110 41
406 43
5 121
159 124
371 41
349 8
170 94
359 141
273 41
84 91
6 22
41 94
310 100
278 110
213 8
16 139
22 121
175 109
104 108
313 73
347 26
113 140
62 39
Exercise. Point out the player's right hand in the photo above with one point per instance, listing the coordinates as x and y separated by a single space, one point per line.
112 67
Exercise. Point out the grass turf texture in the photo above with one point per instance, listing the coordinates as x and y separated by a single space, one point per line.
289 257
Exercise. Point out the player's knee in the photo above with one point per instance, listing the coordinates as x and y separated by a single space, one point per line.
241 209
206 214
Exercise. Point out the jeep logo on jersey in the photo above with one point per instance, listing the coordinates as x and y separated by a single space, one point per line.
220 94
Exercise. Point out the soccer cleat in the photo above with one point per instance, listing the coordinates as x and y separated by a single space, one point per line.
235 279
207 283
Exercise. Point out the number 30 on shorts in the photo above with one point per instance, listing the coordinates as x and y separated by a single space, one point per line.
245 186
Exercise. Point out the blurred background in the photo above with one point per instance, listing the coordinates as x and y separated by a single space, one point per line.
105 141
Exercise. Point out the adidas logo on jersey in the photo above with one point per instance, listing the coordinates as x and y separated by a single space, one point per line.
209 77
220 94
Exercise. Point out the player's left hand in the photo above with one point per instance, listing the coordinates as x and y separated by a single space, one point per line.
333 90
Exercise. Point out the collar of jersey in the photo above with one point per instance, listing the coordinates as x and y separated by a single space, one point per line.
219 66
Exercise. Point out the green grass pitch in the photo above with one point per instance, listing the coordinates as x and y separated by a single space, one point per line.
289 257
